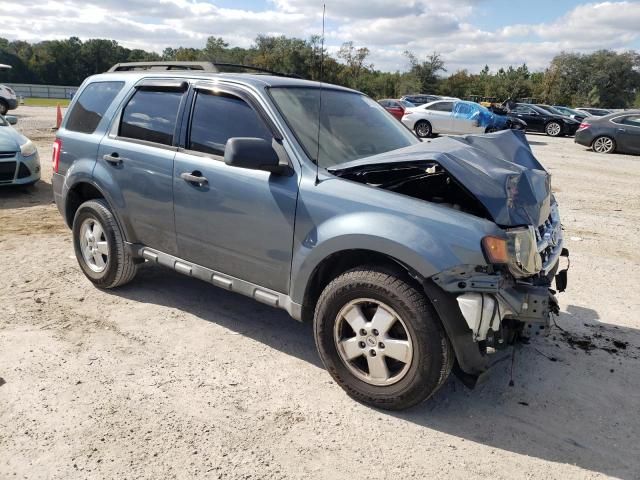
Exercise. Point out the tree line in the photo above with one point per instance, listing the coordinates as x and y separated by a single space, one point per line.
604 78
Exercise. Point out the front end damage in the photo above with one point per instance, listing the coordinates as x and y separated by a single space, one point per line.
484 307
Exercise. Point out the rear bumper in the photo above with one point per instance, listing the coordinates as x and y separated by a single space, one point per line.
57 183
584 137
570 129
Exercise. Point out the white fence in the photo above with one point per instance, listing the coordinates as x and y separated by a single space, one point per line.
28 90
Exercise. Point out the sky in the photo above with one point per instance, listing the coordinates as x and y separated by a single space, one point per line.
467 33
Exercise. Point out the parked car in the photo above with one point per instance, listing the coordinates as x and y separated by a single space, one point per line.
616 132
8 100
418 100
19 160
540 120
577 115
407 256
454 117
595 112
396 107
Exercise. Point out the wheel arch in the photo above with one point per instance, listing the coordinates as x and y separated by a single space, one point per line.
341 261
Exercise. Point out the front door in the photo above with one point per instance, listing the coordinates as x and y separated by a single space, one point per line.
137 156
535 121
235 221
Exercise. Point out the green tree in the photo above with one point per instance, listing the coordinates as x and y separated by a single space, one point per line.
426 71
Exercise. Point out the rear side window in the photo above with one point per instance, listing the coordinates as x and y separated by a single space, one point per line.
218 117
442 107
633 120
89 109
151 116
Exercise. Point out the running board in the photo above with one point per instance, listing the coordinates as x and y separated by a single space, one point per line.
261 294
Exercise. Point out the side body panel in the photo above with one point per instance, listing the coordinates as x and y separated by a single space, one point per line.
339 215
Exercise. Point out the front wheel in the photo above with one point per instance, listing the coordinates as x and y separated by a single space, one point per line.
99 246
381 340
603 145
423 129
553 129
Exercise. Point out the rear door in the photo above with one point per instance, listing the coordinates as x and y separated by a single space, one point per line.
439 115
236 221
628 133
137 159
465 119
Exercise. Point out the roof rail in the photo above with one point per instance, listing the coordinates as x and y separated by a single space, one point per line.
168 65
211 67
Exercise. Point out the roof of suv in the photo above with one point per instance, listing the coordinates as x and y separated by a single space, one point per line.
255 80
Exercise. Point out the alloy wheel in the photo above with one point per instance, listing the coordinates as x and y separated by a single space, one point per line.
603 145
554 129
373 342
93 245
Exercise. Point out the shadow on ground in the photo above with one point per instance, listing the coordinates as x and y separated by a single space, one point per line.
18 196
567 405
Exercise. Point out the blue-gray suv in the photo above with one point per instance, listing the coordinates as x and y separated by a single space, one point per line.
410 258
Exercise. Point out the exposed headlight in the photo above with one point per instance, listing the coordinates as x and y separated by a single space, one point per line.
519 251
523 250
28 149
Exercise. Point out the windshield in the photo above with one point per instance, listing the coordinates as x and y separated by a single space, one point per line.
352 125
407 104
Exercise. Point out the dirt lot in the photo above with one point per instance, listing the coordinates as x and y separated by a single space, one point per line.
169 377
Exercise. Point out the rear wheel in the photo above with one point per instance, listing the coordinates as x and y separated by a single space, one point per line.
99 246
603 145
423 129
4 107
553 129
380 339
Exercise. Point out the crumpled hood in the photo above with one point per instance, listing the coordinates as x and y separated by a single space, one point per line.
9 139
498 169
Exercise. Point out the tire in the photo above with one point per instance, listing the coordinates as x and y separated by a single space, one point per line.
430 355
553 129
423 129
4 107
603 144
117 266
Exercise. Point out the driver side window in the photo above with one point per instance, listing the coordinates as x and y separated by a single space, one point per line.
217 117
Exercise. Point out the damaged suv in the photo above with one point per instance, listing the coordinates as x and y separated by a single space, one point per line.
410 258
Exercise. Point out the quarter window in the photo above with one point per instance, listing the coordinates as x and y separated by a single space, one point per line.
90 107
151 115
218 117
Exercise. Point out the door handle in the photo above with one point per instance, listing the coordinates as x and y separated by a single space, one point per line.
194 178
113 159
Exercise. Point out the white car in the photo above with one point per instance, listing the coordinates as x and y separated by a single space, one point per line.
8 100
438 117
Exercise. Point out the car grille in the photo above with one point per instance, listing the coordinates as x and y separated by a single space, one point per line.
549 240
7 171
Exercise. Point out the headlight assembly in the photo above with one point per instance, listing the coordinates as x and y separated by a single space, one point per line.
28 149
523 250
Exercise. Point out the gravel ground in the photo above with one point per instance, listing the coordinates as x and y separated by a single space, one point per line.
171 378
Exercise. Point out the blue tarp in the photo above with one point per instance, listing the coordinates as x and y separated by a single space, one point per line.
475 111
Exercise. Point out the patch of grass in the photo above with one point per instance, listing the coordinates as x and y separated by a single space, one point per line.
46 102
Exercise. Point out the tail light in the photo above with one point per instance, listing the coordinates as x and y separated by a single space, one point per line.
584 125
55 158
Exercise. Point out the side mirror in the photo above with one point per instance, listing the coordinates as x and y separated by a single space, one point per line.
254 154
11 120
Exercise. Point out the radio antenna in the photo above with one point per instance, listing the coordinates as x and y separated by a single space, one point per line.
324 8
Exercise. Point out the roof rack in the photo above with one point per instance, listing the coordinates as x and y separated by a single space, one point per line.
211 67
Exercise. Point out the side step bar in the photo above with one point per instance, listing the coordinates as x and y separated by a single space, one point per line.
261 294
